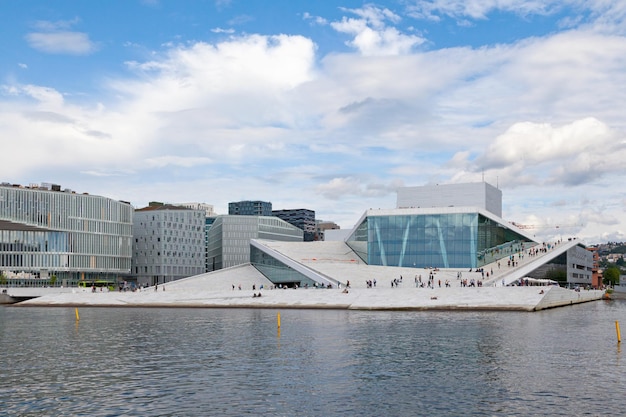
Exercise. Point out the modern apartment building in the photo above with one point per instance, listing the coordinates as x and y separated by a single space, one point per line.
250 208
168 243
303 219
229 238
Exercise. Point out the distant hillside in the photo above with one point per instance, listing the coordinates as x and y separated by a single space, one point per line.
618 249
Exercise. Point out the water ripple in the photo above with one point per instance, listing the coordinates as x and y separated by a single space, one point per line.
187 362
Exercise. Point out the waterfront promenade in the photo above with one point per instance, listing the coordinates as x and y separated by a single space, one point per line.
222 288
216 290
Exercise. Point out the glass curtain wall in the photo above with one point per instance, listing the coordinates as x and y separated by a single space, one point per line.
276 271
460 240
71 236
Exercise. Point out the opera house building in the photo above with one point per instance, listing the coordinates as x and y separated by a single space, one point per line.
456 227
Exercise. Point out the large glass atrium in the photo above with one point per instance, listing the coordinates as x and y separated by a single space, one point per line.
451 240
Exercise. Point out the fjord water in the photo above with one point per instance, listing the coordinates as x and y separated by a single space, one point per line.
235 362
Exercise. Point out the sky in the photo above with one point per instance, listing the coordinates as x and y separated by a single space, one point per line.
325 105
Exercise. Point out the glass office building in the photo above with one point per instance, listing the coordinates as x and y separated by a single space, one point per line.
408 238
301 218
250 208
63 236
228 242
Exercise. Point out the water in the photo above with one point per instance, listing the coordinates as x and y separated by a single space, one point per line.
233 362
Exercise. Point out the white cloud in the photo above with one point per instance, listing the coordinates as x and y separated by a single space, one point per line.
603 15
372 36
187 162
240 20
264 117
54 26
43 96
220 4
318 20
537 143
571 154
72 43
220 30
362 187
56 37
479 9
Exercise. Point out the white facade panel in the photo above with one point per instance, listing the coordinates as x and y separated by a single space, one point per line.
481 195
169 244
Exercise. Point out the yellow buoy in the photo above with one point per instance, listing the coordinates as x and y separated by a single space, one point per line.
619 336
76 311
278 319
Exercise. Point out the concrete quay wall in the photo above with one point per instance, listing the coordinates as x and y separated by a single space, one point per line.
558 297
407 298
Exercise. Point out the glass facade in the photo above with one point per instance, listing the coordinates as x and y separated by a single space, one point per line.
456 240
301 218
71 237
228 242
276 271
250 208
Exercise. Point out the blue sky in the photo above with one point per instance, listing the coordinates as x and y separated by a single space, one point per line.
328 105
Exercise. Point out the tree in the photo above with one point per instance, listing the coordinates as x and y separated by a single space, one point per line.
3 279
611 275
619 249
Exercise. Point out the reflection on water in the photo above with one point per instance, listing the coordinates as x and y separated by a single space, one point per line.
233 362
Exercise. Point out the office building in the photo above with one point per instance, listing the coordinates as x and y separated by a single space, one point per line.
303 219
229 238
168 243
250 208
59 237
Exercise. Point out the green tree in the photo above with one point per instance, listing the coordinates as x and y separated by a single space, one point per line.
3 279
611 275
619 249
53 280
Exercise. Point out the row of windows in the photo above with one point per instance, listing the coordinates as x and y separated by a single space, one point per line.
150 233
185 254
183 239
182 216
64 211
184 243
65 242
37 261
169 270
142 260
169 226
